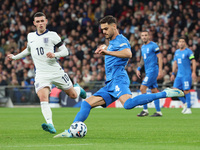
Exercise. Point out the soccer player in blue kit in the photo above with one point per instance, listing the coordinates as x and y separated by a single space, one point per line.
116 54
182 58
150 59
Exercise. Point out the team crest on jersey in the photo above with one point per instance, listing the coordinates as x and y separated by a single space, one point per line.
46 40
183 56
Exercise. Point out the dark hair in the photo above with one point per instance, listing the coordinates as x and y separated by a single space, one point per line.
108 19
39 14
145 31
183 38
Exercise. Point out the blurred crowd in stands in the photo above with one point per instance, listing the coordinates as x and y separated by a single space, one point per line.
76 21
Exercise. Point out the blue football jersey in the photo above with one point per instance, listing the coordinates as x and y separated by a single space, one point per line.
115 66
183 57
149 52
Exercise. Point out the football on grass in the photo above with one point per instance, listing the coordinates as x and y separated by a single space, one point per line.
78 129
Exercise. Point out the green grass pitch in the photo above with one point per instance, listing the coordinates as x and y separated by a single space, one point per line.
111 128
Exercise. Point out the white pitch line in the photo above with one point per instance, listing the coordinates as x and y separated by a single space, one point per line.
47 145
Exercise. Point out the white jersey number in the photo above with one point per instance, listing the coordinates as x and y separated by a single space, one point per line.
145 56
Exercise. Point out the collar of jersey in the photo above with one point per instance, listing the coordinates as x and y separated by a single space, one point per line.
115 38
42 33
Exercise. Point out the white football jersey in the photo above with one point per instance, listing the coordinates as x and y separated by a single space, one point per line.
39 46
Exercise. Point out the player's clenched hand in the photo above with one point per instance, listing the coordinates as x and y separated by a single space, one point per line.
50 55
102 50
172 77
160 75
9 56
194 76
138 74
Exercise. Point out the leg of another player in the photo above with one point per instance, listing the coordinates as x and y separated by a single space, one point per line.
182 99
144 112
72 92
75 91
188 101
184 103
87 105
142 99
43 95
157 104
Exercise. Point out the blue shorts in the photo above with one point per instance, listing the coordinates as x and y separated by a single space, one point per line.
114 89
183 83
150 80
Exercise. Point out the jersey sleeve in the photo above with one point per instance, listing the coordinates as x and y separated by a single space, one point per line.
191 55
56 40
156 49
28 44
175 58
123 45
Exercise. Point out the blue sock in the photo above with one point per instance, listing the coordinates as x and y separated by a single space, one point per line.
145 106
143 99
188 100
157 104
83 113
182 99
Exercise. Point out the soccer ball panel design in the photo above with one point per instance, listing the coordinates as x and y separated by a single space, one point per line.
78 129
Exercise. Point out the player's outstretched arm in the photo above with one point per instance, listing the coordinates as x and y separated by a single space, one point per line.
24 53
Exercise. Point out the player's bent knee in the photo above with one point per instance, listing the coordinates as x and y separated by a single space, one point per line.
126 106
43 99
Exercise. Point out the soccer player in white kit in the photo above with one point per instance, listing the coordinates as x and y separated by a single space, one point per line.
40 46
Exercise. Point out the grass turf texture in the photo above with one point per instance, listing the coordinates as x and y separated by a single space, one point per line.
111 128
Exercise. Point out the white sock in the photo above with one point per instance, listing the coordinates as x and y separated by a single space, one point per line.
145 110
78 91
46 111
159 112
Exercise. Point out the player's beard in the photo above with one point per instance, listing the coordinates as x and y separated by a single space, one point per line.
145 41
110 37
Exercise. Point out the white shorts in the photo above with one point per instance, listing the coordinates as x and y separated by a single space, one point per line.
59 78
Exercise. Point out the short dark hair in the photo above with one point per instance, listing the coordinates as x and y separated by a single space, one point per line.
39 14
108 19
145 31
182 38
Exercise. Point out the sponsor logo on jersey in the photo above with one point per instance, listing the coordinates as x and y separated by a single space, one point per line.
119 93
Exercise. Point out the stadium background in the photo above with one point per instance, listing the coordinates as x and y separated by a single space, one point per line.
77 24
